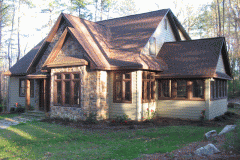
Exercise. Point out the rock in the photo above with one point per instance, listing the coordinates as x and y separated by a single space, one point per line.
206 150
227 128
211 134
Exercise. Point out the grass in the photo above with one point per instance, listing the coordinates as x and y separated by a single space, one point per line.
41 140
3 116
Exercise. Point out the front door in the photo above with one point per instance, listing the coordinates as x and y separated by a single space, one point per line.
44 94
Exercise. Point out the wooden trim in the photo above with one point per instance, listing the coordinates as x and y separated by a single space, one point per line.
20 87
36 76
219 86
173 26
63 87
148 95
122 81
67 64
189 90
27 93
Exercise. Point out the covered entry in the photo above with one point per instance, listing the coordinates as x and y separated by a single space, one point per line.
42 88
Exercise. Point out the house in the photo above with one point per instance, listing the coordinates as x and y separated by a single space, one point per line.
128 65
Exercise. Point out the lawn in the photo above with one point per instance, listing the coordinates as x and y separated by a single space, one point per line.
41 140
3 116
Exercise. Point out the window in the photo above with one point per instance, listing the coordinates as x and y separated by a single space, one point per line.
148 86
181 88
122 87
152 46
165 24
184 89
197 88
22 88
164 88
218 89
67 89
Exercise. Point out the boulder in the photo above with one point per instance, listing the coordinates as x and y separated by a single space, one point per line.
227 128
211 134
206 150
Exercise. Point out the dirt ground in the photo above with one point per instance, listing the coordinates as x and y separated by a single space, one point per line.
186 152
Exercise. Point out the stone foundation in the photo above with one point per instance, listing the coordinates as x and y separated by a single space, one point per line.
93 95
72 113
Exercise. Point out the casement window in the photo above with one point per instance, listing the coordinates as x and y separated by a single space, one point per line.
197 88
164 88
218 89
122 88
22 88
181 89
152 46
67 89
148 86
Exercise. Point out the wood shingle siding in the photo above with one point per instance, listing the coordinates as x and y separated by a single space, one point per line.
220 65
217 108
161 35
14 94
131 109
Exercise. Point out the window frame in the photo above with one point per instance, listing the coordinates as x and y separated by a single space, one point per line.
24 87
122 82
173 90
148 93
220 89
62 81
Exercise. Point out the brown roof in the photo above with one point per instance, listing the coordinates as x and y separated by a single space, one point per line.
116 43
194 58
20 68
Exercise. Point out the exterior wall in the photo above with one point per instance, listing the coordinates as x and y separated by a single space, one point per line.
72 48
162 35
133 109
184 108
217 108
93 95
220 65
180 109
14 94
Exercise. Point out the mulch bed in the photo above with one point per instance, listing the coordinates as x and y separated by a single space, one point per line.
157 122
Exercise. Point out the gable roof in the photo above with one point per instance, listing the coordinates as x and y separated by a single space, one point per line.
20 68
115 43
195 58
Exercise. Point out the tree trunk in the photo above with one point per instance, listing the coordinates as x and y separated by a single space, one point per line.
223 17
10 39
96 8
18 31
219 20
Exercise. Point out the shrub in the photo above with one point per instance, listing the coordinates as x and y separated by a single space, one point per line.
12 110
1 108
123 119
91 118
203 115
230 114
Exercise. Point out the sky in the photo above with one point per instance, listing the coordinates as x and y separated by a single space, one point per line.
33 20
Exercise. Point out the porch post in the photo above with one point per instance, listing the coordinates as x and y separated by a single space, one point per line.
44 95
27 93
